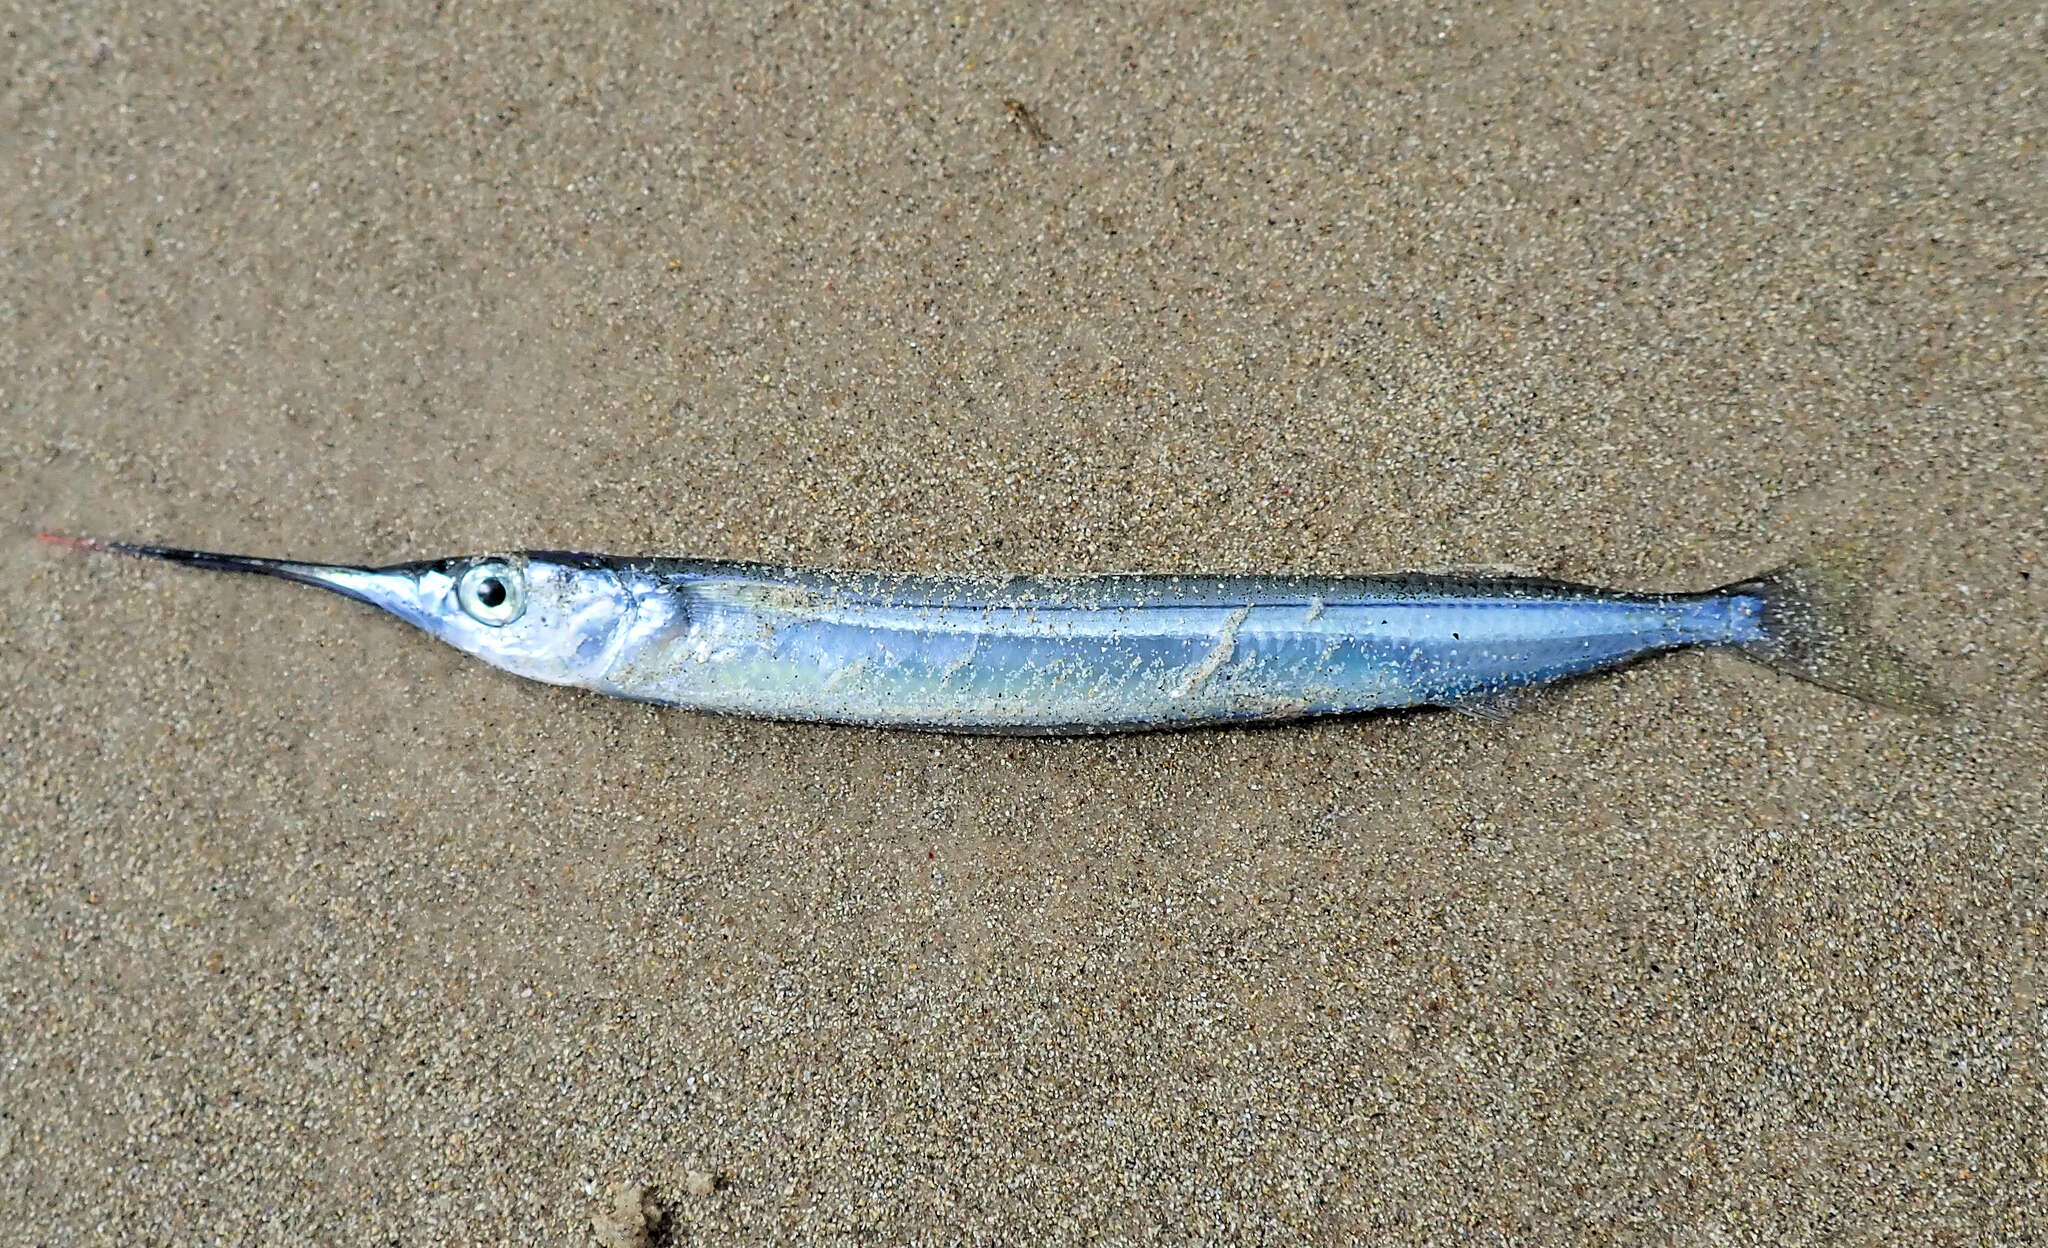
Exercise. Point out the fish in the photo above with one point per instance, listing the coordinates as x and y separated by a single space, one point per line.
1074 655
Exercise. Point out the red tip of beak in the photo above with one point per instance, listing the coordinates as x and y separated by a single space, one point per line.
70 543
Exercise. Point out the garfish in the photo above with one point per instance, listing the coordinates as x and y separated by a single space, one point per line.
1063 655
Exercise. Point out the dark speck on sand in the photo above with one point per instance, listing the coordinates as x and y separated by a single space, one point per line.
316 932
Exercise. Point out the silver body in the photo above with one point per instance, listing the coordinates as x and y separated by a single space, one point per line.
1116 652
1081 654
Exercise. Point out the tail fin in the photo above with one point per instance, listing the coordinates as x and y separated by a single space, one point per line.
1816 627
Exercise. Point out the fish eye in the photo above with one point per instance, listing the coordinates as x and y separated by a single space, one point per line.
492 592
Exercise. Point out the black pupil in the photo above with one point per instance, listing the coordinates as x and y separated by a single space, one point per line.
492 592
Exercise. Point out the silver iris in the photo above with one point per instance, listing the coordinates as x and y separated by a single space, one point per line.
492 592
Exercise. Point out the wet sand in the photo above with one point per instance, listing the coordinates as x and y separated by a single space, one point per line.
316 932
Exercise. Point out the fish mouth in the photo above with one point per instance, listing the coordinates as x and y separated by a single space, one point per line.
395 589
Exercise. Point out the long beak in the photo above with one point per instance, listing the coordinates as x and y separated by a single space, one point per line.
394 589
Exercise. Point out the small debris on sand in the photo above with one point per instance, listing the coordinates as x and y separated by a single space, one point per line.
1028 122
631 1220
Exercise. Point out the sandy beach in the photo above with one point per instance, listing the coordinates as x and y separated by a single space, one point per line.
316 932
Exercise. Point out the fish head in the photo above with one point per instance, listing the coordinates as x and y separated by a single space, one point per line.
557 618
546 615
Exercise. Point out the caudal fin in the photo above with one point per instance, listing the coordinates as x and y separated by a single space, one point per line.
1816 626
